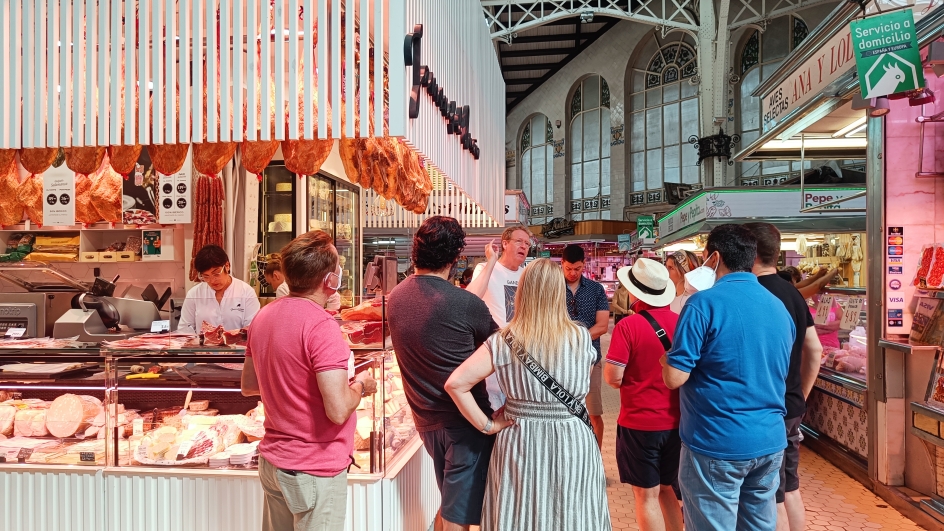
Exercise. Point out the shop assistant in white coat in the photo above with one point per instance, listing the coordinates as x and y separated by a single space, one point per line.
219 299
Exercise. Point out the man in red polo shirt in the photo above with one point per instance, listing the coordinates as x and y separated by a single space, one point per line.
647 438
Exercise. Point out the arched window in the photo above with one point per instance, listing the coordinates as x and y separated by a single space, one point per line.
537 167
663 114
590 150
761 54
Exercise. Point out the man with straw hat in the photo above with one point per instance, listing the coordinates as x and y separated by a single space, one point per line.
647 438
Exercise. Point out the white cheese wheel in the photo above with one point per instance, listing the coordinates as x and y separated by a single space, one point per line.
70 414
7 415
285 218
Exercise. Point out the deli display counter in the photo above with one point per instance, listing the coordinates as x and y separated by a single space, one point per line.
154 431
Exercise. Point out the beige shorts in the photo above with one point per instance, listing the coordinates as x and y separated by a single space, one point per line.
301 502
594 400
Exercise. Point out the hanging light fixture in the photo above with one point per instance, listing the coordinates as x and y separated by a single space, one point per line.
878 107
919 97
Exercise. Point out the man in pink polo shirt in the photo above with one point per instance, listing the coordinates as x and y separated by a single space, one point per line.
297 359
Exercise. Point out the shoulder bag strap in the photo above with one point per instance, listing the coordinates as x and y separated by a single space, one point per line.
660 332
575 407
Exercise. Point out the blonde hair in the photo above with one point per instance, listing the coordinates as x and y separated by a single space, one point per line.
541 322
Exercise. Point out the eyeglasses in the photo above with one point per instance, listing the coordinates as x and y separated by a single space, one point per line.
522 243
212 275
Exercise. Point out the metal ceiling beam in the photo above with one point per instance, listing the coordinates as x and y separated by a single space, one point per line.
523 80
576 51
506 18
531 39
535 52
744 12
525 68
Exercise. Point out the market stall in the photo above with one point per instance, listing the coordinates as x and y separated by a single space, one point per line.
203 98
826 120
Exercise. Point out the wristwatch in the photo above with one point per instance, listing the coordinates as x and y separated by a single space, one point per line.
363 388
488 427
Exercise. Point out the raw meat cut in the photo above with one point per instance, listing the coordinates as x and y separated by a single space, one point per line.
106 195
369 310
208 217
213 335
11 211
37 160
305 157
84 160
30 423
30 196
209 158
70 414
256 155
7 415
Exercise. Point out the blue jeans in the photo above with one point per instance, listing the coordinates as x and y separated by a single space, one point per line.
720 495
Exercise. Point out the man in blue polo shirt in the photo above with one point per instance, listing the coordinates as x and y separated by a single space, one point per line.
730 356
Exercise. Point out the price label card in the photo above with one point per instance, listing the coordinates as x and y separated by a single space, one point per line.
160 326
822 310
58 197
184 450
15 332
86 457
24 454
850 317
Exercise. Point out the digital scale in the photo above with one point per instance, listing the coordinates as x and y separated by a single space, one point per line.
18 315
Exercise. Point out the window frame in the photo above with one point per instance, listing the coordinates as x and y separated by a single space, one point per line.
596 206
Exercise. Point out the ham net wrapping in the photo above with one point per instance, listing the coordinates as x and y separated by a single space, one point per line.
168 159
106 193
255 155
84 160
123 158
7 156
11 211
30 195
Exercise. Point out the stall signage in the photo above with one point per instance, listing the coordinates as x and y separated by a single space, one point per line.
680 218
59 197
626 241
886 54
645 225
831 61
175 203
456 114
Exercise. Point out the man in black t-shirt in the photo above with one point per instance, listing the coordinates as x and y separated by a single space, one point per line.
436 326
801 375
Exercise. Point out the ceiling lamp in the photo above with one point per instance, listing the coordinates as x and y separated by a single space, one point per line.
919 97
850 128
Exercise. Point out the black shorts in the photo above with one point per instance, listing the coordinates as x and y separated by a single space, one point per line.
460 460
647 459
789 469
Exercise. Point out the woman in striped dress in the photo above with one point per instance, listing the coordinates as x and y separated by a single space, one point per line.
546 471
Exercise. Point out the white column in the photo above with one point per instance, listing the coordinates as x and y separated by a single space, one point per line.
714 58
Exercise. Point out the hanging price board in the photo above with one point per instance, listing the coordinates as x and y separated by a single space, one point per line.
822 310
850 317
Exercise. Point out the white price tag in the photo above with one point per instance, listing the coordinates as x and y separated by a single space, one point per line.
15 332
160 326
822 310
850 317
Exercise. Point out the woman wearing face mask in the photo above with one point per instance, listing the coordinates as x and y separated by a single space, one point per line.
679 264
219 299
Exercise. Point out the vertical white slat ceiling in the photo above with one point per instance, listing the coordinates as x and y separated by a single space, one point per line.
87 73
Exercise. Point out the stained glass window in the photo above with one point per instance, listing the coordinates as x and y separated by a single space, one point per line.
590 151
800 31
750 56
662 114
537 167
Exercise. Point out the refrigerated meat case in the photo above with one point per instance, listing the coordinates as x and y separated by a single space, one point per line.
113 479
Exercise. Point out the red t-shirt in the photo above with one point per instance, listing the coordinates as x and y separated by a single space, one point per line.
646 404
290 341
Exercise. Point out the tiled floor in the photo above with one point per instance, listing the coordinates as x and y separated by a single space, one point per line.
834 501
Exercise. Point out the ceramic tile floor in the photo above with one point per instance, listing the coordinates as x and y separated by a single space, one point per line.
834 501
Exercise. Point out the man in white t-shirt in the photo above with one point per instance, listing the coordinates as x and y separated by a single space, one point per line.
496 282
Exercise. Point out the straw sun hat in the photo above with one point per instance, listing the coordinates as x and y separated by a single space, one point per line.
648 281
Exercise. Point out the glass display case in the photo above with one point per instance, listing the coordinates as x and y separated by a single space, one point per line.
276 214
334 207
167 402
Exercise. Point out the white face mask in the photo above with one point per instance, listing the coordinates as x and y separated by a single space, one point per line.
700 278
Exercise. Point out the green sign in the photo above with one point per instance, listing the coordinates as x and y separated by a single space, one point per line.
886 54
545 254
646 226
